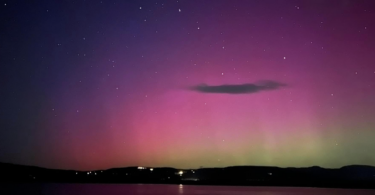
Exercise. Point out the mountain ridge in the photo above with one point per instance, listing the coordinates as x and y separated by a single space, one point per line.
351 176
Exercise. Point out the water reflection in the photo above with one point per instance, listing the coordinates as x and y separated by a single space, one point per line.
151 189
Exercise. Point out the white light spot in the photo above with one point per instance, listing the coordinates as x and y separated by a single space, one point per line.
145 95
84 38
356 72
140 7
179 10
222 73
331 94
223 47
151 169
284 58
77 110
198 28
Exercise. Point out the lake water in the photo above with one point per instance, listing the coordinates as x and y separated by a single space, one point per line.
149 189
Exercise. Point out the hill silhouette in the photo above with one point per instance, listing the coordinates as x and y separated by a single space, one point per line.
353 176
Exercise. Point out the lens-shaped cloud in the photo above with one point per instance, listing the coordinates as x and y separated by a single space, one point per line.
238 89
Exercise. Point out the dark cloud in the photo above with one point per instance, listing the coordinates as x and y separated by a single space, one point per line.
238 89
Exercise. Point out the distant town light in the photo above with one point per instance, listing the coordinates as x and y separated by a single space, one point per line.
180 173
141 168
151 169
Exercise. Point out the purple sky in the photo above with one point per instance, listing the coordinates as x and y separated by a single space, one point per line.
100 84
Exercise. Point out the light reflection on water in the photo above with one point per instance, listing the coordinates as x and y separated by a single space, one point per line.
151 189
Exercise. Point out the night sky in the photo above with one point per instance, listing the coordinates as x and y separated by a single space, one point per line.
189 83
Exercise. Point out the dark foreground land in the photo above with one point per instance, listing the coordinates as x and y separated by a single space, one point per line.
355 176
